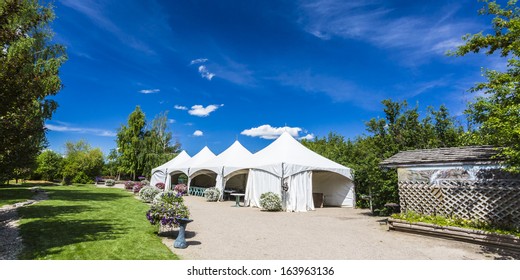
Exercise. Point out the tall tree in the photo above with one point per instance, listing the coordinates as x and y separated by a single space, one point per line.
157 144
29 66
130 141
497 113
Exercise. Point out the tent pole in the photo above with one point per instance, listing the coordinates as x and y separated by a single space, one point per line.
284 192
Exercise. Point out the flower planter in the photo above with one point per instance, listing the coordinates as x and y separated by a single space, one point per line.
462 234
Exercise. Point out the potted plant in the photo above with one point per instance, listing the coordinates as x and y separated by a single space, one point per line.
168 209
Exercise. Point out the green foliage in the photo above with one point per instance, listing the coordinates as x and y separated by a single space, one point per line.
271 202
413 217
49 165
497 113
141 149
401 129
81 163
29 66
129 141
212 194
169 197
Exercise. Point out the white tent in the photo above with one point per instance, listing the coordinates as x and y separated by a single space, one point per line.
202 156
161 174
232 160
287 162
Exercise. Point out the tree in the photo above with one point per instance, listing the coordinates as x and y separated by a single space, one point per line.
497 113
157 147
142 148
29 66
81 163
401 129
49 165
130 141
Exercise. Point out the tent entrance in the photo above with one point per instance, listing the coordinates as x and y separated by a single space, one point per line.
237 181
332 189
205 180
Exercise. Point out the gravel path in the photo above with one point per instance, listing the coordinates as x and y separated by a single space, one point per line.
10 239
222 232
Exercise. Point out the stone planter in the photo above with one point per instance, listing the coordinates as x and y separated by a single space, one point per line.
462 234
180 241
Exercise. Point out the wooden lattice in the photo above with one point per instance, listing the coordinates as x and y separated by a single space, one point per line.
494 201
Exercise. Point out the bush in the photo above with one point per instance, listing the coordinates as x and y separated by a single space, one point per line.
137 187
181 188
212 194
271 202
129 185
160 186
145 182
148 193
81 178
110 182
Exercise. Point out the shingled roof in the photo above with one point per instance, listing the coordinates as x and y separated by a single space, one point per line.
442 155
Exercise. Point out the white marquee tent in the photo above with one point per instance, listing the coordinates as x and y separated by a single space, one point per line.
202 156
161 174
286 161
230 161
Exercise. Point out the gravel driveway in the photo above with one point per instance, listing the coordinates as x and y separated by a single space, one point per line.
223 232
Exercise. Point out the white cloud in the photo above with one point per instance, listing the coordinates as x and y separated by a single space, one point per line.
198 133
266 131
205 73
148 91
201 111
198 61
309 136
93 131
171 121
179 107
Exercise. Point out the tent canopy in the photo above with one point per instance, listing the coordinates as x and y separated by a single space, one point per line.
202 156
160 173
295 158
233 158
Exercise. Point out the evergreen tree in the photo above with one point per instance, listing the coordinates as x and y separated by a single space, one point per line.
29 66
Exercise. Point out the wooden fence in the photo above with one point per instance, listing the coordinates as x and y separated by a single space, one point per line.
494 201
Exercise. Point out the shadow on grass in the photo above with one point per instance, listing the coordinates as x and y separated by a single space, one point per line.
81 195
48 211
46 237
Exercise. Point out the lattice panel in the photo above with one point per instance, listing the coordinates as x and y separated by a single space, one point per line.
496 201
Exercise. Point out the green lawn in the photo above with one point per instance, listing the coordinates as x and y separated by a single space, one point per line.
89 223
12 194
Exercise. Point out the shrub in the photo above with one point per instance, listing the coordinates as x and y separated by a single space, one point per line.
129 185
160 186
81 178
145 182
137 187
110 182
271 202
181 188
212 194
148 193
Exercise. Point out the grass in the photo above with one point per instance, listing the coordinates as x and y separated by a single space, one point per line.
89 223
11 194
413 217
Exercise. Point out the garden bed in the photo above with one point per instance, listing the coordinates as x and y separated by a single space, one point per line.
468 235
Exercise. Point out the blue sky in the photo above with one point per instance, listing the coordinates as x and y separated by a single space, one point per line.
227 70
